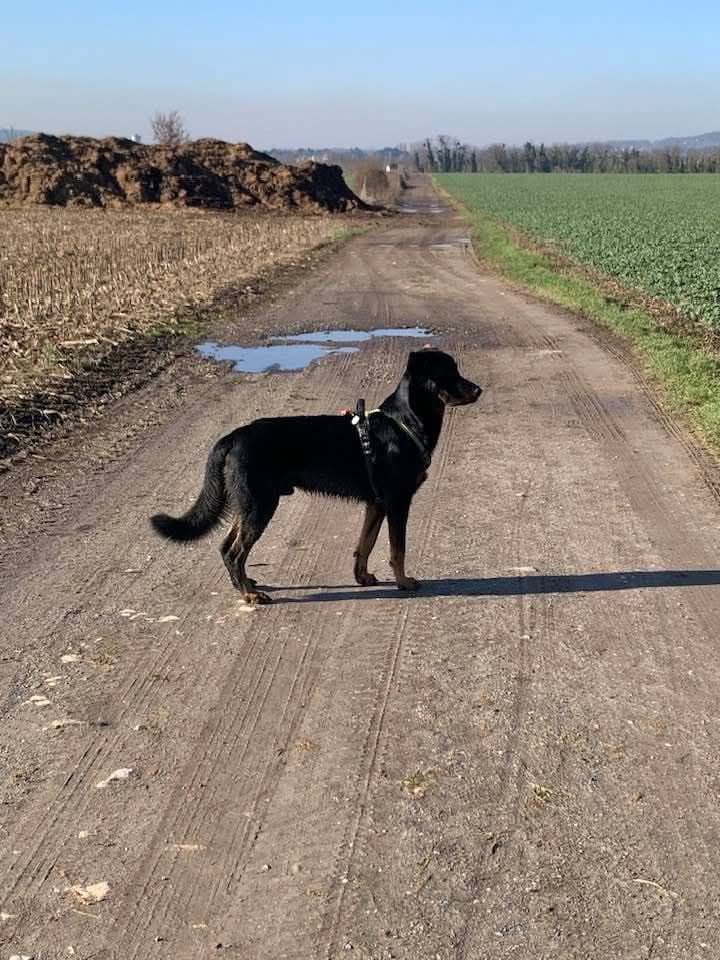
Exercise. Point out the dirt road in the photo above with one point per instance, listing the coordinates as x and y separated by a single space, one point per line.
519 762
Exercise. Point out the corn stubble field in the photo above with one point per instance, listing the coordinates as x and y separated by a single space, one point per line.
73 280
657 233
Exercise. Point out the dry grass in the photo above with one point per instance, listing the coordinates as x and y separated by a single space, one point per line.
72 279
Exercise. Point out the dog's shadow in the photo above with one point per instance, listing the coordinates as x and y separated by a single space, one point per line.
511 586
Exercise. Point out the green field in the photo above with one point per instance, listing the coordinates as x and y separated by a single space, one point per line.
658 233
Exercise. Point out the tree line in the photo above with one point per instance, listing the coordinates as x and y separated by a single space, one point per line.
446 155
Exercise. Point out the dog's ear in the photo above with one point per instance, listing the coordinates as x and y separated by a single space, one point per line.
421 368
412 359
419 359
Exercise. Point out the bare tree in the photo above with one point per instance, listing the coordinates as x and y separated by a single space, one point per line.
169 128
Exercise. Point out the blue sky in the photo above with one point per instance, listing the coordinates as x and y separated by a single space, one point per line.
289 73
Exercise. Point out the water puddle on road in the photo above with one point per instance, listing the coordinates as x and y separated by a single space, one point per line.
462 242
432 209
295 356
297 351
355 336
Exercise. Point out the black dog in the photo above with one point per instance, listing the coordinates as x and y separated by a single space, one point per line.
380 461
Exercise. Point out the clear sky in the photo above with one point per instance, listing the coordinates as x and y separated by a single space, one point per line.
332 73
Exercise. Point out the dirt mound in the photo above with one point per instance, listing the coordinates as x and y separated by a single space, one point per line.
81 171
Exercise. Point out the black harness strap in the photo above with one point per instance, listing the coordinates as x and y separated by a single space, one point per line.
360 421
426 458
362 425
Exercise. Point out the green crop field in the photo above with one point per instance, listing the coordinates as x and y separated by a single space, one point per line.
658 233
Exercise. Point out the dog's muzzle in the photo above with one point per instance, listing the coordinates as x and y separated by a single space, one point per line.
468 392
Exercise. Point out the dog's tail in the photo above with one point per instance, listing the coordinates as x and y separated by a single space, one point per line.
206 512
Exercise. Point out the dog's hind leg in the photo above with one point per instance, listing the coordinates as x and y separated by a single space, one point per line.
251 515
374 516
397 526
244 534
229 551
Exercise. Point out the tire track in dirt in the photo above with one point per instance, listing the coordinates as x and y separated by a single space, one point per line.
141 686
638 482
533 611
534 615
706 464
252 777
534 623
651 504
376 728
36 866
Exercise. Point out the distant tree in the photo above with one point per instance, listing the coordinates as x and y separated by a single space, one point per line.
500 157
443 154
530 156
543 161
430 156
556 157
169 128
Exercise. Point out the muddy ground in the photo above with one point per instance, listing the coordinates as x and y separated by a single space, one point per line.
521 761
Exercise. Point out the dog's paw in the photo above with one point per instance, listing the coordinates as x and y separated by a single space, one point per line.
408 583
366 579
256 598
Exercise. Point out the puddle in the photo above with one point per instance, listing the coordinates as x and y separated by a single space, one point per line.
269 359
354 336
462 242
297 351
431 210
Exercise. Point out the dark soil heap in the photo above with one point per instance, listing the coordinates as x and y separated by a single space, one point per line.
81 171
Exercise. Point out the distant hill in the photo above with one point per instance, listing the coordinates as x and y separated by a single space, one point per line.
702 141
10 133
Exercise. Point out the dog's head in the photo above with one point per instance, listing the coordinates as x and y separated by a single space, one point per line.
438 373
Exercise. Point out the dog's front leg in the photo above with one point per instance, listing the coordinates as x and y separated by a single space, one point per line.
397 524
374 516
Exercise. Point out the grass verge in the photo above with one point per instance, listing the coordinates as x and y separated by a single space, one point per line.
687 375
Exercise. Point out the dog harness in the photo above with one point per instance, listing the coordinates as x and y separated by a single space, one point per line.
361 424
426 458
